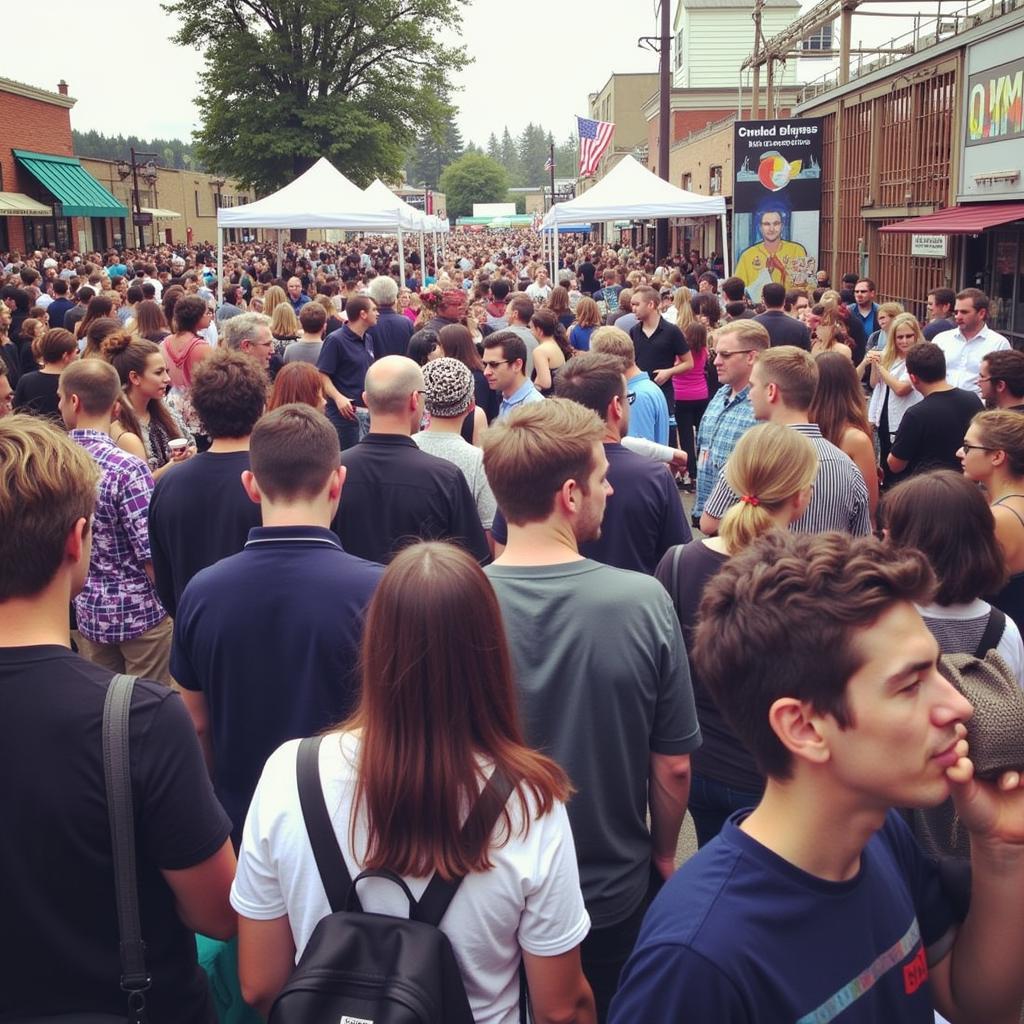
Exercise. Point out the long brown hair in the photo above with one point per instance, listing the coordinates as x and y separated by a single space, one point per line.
838 402
437 698
126 353
457 343
99 307
296 382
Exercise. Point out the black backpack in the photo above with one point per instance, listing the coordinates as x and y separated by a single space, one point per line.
365 968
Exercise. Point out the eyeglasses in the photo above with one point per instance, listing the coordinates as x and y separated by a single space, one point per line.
977 447
493 363
734 352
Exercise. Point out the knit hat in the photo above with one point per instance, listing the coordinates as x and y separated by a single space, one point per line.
449 386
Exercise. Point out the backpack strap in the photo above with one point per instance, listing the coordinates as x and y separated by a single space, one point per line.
117 776
439 893
329 860
994 629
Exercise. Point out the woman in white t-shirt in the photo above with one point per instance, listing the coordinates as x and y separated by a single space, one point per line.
437 713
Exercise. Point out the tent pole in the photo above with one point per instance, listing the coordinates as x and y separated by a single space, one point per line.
423 261
220 265
725 247
401 258
554 235
280 254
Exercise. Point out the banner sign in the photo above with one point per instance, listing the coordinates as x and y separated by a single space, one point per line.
777 202
995 104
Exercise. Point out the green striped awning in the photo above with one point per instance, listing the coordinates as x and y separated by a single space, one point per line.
79 194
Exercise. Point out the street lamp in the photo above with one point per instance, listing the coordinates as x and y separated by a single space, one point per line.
150 173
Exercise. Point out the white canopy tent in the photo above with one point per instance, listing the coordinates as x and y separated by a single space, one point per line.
631 192
321 198
379 193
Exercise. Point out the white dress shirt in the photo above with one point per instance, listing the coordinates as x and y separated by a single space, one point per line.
963 357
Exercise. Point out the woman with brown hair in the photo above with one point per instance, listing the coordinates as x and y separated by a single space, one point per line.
97 333
947 519
552 351
98 308
183 352
558 303
772 468
457 343
169 300
831 334
840 411
431 628
146 424
588 319
297 382
993 456
150 322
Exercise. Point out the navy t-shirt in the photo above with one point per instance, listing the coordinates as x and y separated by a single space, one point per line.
642 519
741 935
271 637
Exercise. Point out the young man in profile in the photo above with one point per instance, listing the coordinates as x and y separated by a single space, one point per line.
56 864
818 905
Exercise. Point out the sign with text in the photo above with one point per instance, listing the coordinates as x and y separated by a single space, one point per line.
935 246
776 202
143 219
995 104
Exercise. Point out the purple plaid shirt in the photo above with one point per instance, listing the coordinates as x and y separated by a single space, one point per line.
118 601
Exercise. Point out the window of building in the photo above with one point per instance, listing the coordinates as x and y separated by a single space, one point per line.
198 214
715 181
821 39
679 49
688 181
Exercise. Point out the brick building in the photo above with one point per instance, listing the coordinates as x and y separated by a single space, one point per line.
46 197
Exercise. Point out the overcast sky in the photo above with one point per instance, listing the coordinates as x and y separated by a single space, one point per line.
536 60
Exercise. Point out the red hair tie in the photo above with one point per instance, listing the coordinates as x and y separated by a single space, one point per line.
750 499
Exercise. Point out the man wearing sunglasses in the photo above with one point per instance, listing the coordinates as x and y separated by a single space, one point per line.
505 369
729 414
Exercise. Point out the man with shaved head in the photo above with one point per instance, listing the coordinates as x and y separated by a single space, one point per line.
394 492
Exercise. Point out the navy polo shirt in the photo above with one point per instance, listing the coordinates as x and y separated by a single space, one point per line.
271 637
345 358
391 333
642 519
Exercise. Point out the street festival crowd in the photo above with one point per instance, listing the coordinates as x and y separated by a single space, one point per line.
446 524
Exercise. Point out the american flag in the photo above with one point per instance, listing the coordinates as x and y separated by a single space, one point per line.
549 164
595 137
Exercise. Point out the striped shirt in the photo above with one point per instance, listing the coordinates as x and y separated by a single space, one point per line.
839 500
727 418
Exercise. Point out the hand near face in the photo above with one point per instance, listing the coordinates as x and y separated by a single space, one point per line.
992 811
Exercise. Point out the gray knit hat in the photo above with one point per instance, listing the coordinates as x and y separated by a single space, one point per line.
449 386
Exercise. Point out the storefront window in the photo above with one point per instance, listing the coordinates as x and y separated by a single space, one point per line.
1004 277
4 245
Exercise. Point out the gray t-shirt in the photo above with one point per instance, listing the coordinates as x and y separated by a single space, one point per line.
603 683
455 448
303 351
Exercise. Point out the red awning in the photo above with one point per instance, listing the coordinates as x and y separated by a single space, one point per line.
967 219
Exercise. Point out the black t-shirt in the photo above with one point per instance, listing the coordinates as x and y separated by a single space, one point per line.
37 393
395 493
784 329
931 431
721 756
658 351
199 513
56 864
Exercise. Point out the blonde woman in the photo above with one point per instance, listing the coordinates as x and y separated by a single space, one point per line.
284 326
993 456
680 312
772 468
892 393
272 298
588 319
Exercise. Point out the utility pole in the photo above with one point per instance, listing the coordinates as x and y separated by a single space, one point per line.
551 162
664 124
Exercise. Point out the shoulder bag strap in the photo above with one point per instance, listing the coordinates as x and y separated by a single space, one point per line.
117 775
326 851
676 597
439 893
993 632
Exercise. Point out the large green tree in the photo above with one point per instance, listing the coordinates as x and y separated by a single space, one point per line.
288 81
433 152
473 178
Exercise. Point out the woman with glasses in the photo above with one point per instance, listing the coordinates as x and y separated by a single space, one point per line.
993 456
432 623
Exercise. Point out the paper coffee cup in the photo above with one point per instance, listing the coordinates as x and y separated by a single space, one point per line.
177 444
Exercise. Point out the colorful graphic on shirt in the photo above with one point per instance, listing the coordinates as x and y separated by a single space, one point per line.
777 202
867 979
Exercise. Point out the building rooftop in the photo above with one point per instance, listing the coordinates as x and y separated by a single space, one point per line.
745 5
33 92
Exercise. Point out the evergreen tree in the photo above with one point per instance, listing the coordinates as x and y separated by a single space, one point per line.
494 148
509 158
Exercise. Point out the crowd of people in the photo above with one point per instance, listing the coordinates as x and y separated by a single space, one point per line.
447 524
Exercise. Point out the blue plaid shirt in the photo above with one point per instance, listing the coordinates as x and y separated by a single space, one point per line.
726 419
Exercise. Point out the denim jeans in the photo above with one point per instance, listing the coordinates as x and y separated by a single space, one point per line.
711 802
